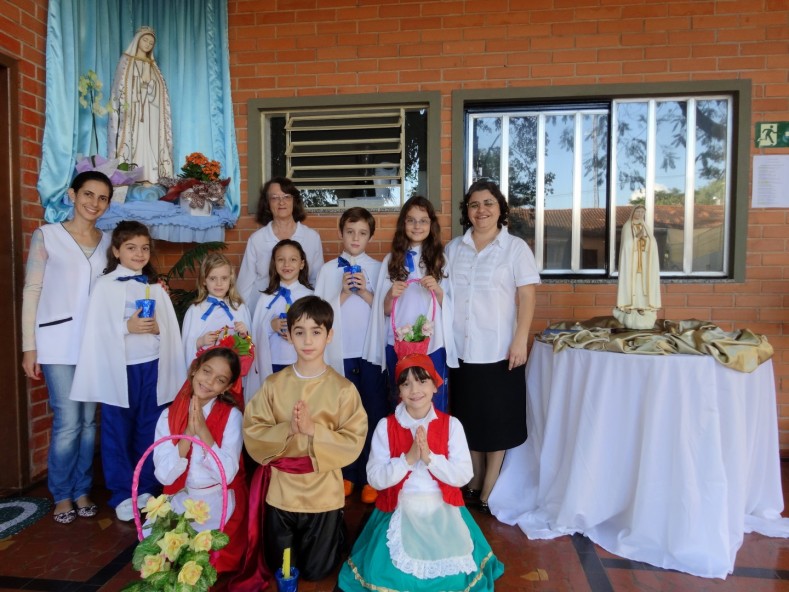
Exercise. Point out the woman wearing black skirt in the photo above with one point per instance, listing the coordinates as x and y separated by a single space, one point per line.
493 276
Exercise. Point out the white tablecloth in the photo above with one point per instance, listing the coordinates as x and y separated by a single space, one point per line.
661 459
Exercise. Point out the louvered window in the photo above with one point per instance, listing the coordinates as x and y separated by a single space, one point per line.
373 155
356 152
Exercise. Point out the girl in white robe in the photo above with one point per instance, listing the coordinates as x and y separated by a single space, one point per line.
129 362
288 281
217 309
417 253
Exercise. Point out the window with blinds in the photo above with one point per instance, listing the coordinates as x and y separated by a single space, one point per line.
372 156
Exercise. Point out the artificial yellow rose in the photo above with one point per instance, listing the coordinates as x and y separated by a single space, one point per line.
152 564
157 507
196 510
202 542
171 544
190 573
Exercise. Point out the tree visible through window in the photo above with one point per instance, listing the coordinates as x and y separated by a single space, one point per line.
573 172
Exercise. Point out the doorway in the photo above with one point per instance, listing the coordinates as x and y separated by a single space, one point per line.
14 462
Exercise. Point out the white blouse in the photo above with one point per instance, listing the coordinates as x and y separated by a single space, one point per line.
484 293
384 471
203 481
203 472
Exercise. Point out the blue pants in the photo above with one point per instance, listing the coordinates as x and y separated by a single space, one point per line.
127 433
70 460
371 383
439 357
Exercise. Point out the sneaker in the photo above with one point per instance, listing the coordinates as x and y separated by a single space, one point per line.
124 511
369 495
348 486
142 500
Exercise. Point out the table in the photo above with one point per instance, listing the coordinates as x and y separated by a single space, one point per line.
667 460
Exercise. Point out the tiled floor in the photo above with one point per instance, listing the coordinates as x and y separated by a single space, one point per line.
92 555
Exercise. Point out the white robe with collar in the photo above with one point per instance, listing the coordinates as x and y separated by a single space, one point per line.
260 330
329 287
100 376
375 344
195 327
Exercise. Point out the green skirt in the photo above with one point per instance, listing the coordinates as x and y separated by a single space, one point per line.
370 566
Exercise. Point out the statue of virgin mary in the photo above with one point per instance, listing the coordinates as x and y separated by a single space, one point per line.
140 128
638 292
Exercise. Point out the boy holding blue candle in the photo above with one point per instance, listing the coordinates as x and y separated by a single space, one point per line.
347 283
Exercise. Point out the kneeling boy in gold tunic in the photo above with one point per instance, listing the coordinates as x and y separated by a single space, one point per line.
304 425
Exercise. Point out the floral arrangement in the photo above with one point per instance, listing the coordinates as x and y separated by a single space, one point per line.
198 182
243 346
113 168
198 167
174 556
421 330
91 97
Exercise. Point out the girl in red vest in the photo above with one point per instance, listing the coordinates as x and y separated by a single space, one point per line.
205 409
420 537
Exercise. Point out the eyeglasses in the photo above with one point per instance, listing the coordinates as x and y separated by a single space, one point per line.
488 203
280 198
415 222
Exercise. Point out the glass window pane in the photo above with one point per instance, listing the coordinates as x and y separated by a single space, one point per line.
631 161
594 190
486 149
669 229
415 157
631 153
671 127
712 118
522 189
277 146
559 145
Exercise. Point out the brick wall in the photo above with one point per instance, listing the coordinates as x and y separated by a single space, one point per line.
325 47
282 48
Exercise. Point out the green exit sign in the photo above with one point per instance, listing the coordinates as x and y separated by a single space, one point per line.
773 134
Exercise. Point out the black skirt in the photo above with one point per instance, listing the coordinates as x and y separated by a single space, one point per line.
490 402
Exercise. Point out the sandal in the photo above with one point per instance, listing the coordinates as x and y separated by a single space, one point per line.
88 511
65 517
483 507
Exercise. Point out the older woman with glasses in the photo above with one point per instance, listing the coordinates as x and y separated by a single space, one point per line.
492 276
280 211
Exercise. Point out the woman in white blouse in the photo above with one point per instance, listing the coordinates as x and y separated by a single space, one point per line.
493 276
280 211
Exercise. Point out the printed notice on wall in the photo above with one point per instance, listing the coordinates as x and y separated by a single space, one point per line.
771 181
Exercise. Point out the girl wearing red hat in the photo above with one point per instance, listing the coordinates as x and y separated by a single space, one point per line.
420 536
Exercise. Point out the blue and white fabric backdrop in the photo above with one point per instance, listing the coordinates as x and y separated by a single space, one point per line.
192 53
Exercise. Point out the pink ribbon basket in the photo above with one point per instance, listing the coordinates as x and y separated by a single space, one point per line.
404 348
138 470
